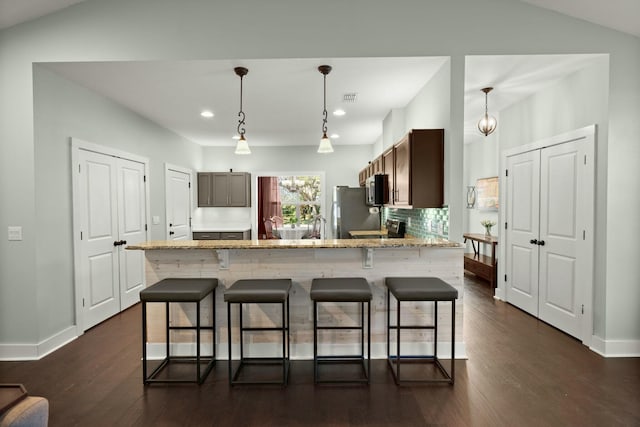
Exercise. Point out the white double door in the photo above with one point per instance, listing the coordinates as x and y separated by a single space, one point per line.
110 200
549 235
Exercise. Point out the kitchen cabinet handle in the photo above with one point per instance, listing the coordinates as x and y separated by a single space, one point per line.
119 242
171 233
533 241
541 243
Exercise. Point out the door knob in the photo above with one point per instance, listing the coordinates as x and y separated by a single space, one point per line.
541 242
533 241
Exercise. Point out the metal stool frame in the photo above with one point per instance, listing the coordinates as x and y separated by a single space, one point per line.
397 359
358 358
286 346
200 377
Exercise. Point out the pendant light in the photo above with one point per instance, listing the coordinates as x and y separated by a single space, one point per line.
325 142
487 123
241 147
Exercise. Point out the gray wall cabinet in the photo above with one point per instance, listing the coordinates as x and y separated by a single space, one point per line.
224 189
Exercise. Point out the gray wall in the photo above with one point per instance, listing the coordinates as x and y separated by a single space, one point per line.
481 160
576 101
194 29
62 110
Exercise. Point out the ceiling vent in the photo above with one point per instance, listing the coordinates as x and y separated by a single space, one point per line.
349 97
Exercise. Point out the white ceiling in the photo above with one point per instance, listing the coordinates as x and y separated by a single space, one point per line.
283 98
13 12
513 77
621 15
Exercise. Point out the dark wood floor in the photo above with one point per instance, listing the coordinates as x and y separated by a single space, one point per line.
520 372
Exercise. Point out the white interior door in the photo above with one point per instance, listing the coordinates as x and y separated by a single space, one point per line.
132 229
562 184
549 242
99 224
523 193
178 199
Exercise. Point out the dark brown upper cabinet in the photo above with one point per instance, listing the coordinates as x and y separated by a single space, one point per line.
415 166
224 189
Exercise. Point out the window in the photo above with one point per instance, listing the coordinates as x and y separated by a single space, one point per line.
300 196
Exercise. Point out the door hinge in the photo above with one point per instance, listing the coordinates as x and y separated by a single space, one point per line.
144 178
145 228
505 225
506 172
505 277
584 234
78 167
582 308
83 302
189 185
81 235
585 159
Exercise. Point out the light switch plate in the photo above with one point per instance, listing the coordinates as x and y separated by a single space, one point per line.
15 232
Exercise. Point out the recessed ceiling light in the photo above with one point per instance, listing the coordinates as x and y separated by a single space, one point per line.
335 136
207 114
339 112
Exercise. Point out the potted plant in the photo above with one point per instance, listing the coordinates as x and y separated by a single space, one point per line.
487 224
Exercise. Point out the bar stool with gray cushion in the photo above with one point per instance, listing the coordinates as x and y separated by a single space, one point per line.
342 290
259 291
420 289
169 291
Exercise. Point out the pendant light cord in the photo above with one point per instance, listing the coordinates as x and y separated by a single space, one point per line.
324 111
486 111
241 129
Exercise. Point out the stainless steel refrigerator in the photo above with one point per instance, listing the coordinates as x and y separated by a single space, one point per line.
350 212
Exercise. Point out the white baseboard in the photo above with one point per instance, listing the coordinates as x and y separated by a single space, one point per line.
16 352
615 348
156 351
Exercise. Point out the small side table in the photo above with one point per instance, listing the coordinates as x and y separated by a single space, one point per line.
482 265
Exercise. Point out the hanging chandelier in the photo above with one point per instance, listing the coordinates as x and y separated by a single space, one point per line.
487 123
242 147
325 143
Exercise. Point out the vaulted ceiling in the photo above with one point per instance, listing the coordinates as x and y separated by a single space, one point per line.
283 98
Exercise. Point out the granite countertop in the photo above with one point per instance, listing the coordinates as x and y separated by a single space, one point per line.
295 244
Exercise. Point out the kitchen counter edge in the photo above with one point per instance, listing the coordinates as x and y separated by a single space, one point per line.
295 244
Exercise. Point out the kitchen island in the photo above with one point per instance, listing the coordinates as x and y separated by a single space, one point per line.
302 261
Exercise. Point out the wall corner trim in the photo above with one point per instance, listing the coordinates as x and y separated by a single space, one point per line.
19 352
615 348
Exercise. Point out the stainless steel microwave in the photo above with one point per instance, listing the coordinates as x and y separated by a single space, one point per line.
377 190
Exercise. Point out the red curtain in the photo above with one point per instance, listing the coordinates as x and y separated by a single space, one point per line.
269 203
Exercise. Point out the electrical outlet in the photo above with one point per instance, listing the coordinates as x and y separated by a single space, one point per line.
409 222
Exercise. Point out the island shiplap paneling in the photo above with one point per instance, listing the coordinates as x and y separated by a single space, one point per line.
302 266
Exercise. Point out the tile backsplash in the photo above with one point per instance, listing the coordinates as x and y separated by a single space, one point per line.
421 222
